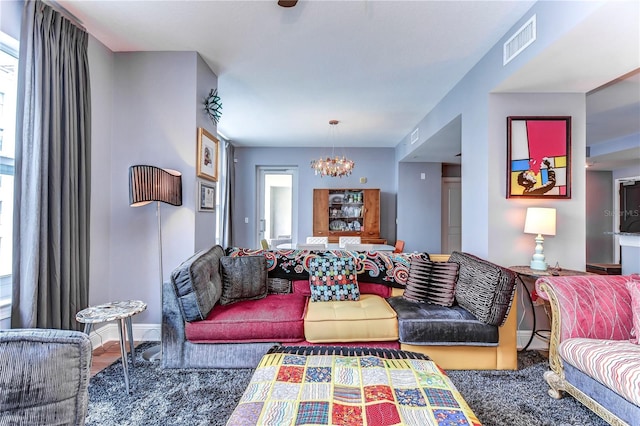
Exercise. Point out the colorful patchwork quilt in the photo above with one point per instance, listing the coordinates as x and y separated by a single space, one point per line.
315 385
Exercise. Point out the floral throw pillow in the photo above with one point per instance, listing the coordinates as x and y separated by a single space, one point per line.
333 278
634 289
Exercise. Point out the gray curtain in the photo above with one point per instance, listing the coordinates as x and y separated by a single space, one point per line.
52 172
227 196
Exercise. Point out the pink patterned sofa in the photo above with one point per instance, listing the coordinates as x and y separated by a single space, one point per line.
594 353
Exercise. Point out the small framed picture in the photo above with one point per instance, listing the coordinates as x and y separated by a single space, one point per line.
206 197
207 155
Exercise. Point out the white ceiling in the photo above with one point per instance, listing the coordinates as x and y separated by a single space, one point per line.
377 66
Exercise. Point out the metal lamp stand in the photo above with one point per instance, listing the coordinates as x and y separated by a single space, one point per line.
154 353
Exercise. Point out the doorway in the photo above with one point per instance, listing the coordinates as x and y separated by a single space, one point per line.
451 215
277 205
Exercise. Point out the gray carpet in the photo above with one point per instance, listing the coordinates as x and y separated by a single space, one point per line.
207 397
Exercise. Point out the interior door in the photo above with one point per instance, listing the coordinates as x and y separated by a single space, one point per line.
277 204
451 215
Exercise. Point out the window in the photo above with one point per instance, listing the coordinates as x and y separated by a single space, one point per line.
1 109
8 89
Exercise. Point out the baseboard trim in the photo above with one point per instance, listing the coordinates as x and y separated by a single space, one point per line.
538 343
109 332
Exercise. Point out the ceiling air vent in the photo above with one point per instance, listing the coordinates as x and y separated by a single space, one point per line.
519 41
414 136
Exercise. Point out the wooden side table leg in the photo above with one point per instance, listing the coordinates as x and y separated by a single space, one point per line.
132 350
123 352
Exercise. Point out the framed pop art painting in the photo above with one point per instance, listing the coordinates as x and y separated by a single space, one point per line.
539 157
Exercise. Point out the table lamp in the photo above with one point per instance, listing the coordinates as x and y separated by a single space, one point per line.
540 220
146 185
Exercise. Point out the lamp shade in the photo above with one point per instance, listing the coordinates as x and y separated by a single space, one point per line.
149 183
540 220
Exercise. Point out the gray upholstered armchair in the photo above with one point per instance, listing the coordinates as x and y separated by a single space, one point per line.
44 377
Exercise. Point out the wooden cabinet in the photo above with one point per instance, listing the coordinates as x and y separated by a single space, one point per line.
347 212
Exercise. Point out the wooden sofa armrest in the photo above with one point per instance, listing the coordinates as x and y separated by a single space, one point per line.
439 257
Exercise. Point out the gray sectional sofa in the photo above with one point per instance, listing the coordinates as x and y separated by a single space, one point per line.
478 332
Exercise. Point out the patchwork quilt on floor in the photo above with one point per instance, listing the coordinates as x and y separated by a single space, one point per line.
316 385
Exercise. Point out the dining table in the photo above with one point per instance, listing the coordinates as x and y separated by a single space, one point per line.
336 246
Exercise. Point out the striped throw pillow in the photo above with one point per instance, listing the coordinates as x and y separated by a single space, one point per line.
431 282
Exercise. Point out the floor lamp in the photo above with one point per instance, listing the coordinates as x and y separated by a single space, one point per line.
146 185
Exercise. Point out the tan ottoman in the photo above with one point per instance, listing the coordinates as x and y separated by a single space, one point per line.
369 319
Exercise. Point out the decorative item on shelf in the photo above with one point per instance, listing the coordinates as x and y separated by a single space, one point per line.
540 220
213 106
333 166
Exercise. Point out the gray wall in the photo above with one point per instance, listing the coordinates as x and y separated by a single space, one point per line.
147 107
11 17
205 222
419 206
101 69
375 164
483 136
508 244
600 212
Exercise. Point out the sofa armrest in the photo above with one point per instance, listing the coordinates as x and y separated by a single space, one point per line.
590 306
173 334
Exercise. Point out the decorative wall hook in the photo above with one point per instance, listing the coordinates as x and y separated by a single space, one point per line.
213 106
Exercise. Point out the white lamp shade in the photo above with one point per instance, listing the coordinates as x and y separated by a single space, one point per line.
540 220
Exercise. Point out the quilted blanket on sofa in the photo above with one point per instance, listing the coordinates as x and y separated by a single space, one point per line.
349 386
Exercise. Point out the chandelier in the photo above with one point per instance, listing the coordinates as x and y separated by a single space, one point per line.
333 166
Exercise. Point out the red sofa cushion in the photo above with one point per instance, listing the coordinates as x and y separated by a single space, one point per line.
276 318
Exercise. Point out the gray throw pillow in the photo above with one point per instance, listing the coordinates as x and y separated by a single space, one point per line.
431 282
243 278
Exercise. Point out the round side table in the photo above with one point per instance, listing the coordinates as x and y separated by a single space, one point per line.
115 311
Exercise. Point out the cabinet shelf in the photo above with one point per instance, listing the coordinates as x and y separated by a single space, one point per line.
342 212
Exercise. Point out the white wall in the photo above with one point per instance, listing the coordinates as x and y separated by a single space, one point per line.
599 217
629 172
470 99
508 245
10 17
376 164
146 110
419 218
205 222
101 61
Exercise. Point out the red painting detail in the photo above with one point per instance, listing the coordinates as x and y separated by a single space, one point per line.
546 139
